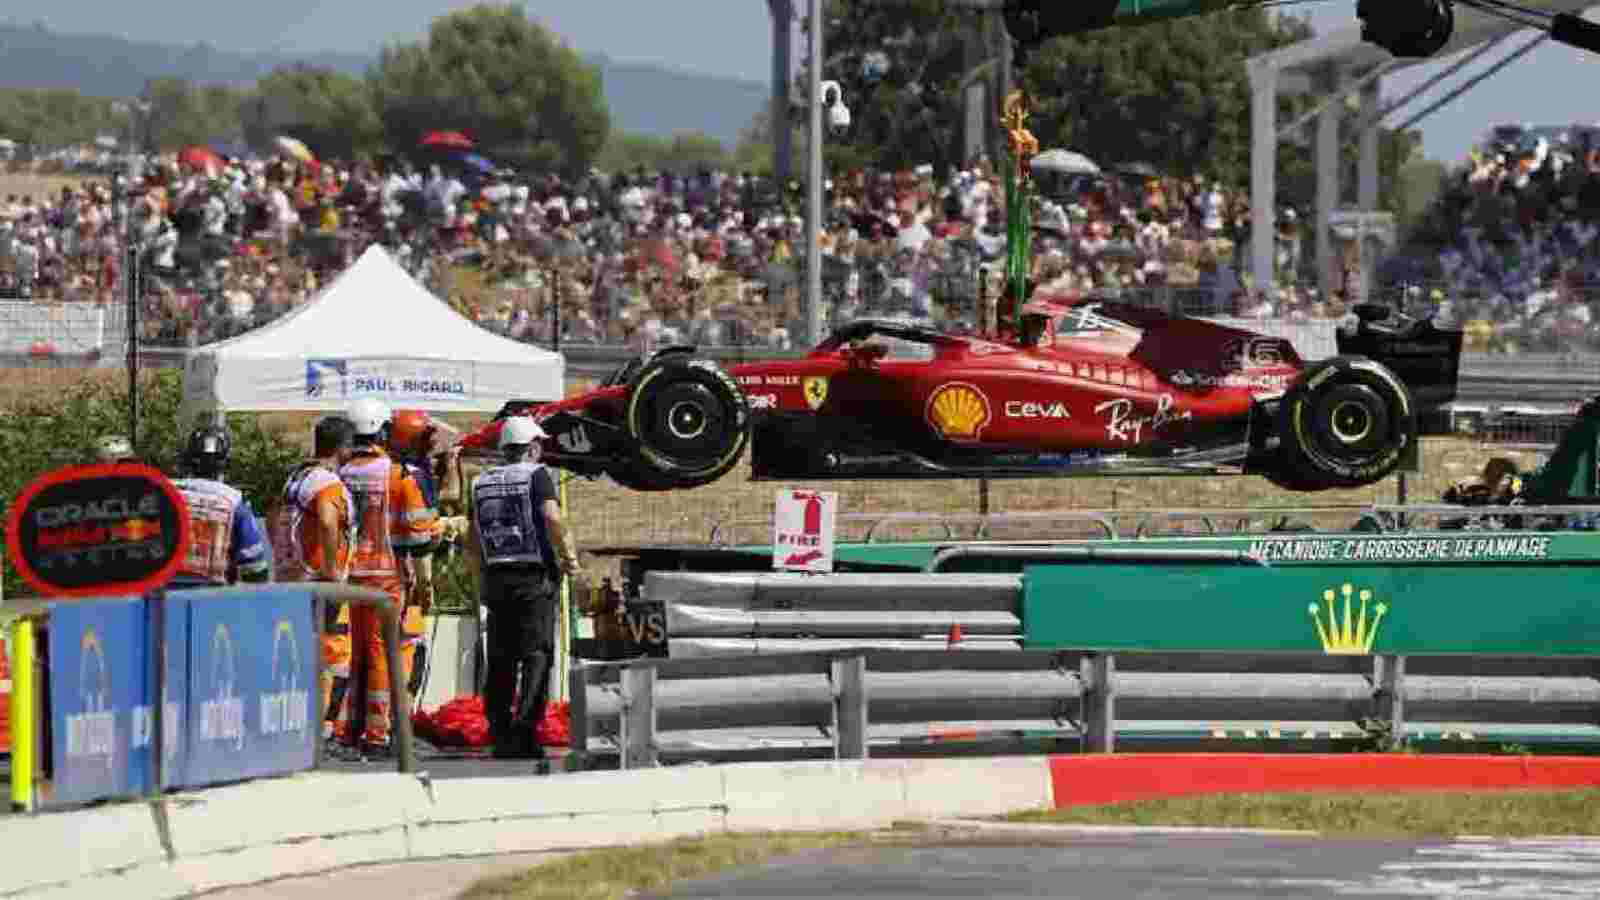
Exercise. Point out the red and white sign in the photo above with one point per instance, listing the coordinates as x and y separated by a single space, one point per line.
802 531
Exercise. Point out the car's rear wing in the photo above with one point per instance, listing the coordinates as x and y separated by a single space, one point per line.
1427 358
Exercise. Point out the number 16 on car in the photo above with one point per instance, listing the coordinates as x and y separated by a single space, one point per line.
802 530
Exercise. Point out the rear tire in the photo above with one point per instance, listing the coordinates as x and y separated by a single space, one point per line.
688 422
1347 422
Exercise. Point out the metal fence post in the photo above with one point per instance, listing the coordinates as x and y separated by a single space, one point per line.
399 697
1389 699
578 711
639 717
1099 703
849 677
319 625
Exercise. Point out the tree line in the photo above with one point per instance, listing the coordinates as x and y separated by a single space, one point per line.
1173 95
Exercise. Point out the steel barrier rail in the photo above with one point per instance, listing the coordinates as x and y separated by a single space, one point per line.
1089 554
947 521
1090 691
1107 519
331 593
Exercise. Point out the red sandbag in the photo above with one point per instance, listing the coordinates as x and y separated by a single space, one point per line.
555 729
459 723
462 723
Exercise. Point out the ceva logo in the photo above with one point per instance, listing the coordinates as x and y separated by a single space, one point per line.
222 716
92 733
286 709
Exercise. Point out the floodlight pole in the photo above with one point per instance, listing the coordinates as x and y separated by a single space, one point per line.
814 180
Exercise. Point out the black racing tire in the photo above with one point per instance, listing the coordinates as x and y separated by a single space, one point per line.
688 423
1347 422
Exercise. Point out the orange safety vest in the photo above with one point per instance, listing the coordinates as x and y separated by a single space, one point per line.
296 530
211 509
392 518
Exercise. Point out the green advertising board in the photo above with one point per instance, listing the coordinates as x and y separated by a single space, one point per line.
1335 605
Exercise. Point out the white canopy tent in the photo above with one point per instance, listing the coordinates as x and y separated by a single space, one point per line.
372 332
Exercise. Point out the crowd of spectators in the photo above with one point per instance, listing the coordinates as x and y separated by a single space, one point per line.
1509 251
642 258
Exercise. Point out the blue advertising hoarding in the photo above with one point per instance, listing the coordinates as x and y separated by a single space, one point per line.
98 676
252 684
241 677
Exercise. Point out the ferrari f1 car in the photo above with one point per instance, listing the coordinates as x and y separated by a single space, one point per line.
1082 387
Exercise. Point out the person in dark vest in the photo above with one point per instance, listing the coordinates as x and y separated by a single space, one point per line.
518 540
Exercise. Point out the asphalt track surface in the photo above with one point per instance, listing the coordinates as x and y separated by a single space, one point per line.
1109 864
1142 866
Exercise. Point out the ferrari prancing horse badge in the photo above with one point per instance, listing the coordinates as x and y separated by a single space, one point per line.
816 390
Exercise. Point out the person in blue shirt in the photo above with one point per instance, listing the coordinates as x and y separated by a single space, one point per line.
226 543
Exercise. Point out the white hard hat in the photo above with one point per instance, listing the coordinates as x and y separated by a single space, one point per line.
113 447
368 415
519 430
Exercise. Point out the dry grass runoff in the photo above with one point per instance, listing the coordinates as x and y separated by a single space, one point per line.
630 871
607 515
1443 814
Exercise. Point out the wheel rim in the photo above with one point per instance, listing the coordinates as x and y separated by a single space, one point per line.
687 425
1350 422
686 420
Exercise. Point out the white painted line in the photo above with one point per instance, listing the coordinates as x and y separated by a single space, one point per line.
1482 889
1564 867
1508 855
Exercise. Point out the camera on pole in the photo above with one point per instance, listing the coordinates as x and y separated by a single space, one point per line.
1410 29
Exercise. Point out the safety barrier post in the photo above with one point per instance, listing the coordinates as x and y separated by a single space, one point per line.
578 713
1097 671
400 697
319 612
849 679
1389 699
639 717
400 702
25 731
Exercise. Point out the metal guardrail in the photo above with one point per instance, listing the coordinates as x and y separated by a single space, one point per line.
846 693
1115 524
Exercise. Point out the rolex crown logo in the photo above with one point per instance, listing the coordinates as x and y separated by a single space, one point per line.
1353 634
958 411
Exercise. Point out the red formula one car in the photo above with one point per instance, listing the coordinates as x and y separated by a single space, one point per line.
1087 387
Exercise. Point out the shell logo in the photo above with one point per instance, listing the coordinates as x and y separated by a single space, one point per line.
958 411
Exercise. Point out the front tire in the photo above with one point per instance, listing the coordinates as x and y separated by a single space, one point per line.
688 423
1347 422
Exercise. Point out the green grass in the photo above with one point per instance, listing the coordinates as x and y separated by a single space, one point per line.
1507 813
616 873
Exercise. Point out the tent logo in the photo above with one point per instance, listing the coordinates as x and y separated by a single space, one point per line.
322 375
